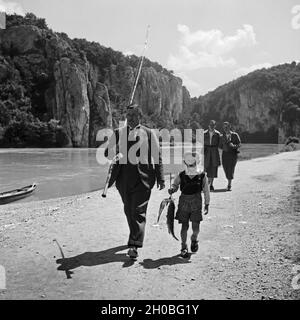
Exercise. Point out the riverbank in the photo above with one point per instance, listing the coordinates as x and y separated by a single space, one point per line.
68 172
249 244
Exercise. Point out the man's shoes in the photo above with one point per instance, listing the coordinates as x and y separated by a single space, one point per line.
194 246
133 253
184 253
229 188
212 188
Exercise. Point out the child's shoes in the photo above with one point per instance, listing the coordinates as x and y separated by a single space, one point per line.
184 253
194 246
133 253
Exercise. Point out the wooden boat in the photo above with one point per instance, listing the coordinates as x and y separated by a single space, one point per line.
14 195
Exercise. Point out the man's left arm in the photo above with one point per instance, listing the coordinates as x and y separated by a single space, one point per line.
221 144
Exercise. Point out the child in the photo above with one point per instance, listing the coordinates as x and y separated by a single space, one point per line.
191 183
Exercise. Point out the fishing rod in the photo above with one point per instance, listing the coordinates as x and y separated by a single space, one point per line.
139 70
136 80
140 66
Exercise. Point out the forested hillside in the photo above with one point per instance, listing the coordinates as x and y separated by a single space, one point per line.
260 105
56 91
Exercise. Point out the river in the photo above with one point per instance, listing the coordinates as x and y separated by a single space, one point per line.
66 172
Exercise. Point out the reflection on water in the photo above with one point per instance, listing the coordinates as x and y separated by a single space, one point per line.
65 172
58 172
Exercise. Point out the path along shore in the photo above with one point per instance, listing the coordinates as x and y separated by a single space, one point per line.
249 243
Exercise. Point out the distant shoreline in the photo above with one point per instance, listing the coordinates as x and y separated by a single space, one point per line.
69 171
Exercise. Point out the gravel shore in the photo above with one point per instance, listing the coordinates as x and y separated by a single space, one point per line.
249 243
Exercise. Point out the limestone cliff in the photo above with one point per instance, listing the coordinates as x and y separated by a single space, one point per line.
55 91
81 84
263 106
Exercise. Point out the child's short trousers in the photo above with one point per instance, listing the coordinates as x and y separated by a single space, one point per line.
189 208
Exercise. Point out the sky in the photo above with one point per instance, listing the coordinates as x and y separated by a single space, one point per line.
205 42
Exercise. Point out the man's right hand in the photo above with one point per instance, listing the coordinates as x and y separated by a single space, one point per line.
171 191
117 157
206 209
160 185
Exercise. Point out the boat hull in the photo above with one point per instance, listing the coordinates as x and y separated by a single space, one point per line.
18 194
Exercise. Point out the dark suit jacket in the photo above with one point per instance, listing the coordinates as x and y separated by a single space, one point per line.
211 151
149 166
234 139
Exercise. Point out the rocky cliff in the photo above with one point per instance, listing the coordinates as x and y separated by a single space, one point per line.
82 85
56 92
263 106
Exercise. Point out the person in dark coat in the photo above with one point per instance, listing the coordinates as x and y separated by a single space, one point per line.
211 153
230 143
136 173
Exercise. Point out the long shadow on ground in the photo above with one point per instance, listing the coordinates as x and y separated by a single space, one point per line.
219 190
90 259
169 261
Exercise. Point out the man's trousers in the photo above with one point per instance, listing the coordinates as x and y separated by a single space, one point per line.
135 206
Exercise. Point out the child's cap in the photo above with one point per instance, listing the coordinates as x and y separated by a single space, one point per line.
191 158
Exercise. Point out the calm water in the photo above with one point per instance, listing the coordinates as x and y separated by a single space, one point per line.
65 172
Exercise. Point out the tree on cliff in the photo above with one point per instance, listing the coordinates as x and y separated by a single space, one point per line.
29 19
